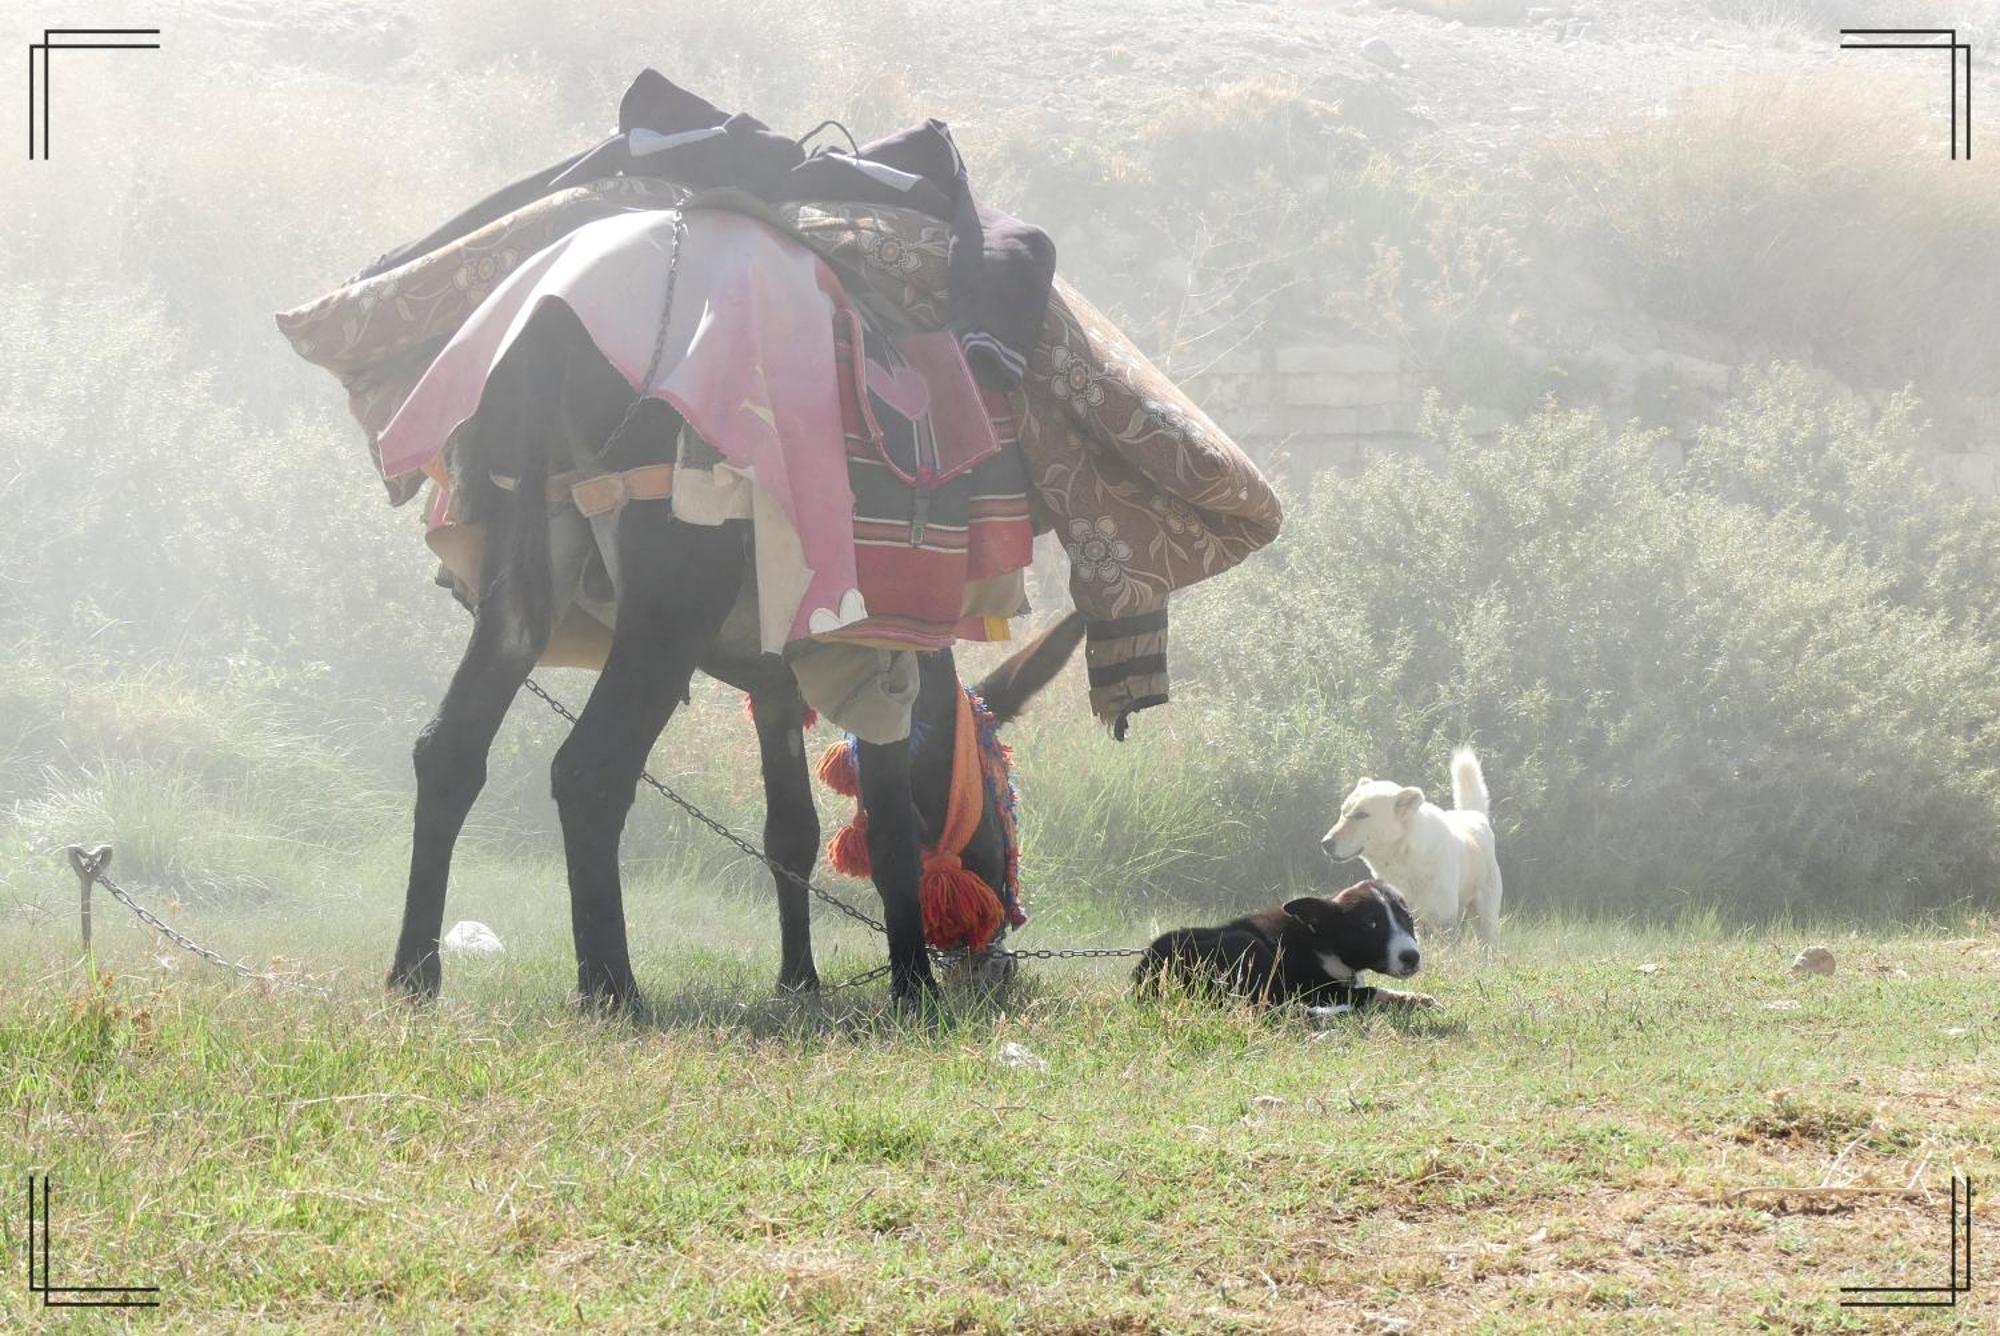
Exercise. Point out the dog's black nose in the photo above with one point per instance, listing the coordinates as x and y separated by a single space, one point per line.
1409 959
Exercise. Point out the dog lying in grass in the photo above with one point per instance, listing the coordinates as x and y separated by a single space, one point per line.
1443 860
1310 950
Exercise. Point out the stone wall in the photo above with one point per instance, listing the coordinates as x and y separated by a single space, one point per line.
1300 406
1314 405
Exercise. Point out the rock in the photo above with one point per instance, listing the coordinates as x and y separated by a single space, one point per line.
470 938
1782 1004
1388 1324
1650 967
1020 1055
1266 1103
1813 960
1382 54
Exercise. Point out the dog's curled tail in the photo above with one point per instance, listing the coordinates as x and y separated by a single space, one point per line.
1468 783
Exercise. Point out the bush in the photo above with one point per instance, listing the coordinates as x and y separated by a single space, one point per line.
203 787
1670 690
1789 444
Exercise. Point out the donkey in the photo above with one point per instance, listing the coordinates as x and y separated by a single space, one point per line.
553 398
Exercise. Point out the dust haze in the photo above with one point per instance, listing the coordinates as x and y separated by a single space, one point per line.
1628 370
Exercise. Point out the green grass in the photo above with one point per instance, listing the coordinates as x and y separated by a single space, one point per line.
1551 1149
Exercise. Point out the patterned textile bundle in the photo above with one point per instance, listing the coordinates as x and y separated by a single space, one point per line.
378 335
1146 494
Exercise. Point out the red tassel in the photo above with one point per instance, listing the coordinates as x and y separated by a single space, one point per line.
960 909
847 851
836 770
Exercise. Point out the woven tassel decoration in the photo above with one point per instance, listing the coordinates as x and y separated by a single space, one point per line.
837 770
959 908
847 851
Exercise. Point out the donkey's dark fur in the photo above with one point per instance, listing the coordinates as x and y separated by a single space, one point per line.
552 400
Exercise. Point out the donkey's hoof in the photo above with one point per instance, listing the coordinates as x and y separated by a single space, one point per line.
915 993
793 985
419 980
614 1001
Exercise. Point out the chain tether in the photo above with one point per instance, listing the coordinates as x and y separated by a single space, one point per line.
90 864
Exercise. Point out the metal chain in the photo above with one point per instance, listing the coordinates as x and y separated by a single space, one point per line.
1033 953
92 866
725 832
1069 952
659 341
866 976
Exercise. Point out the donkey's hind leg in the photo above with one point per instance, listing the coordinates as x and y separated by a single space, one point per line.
791 828
677 582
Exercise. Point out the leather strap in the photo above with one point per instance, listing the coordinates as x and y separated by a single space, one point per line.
608 492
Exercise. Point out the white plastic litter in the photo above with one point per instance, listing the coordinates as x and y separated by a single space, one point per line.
470 938
1020 1055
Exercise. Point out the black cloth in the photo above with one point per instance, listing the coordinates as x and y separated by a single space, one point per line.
1001 268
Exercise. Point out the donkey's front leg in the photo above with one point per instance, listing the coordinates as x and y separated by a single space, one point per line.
897 863
791 829
450 760
677 583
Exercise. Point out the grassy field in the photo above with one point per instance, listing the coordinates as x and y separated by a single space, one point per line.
1554 1148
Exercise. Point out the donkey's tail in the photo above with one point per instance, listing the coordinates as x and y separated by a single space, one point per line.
1468 783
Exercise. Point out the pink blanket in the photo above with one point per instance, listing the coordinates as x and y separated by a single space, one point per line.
749 362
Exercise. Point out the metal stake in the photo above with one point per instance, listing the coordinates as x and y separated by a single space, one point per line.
87 863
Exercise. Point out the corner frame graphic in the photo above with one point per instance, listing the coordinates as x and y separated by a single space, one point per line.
93 1296
1960 1272
1912 39
73 39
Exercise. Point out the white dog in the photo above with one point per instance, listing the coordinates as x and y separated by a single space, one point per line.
1441 861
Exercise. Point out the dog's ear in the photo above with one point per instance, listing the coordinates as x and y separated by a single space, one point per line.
1407 800
1315 913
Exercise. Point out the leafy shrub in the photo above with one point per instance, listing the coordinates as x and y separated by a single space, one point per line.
153 514
1671 691
1789 444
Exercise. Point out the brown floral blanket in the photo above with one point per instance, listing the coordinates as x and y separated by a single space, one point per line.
1146 494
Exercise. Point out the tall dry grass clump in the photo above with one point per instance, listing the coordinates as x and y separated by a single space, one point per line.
1815 217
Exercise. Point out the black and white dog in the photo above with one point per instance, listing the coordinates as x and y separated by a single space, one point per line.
1311 950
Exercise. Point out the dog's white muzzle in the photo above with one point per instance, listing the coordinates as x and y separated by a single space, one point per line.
1402 959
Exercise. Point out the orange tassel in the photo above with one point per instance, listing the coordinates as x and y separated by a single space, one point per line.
837 772
959 908
847 851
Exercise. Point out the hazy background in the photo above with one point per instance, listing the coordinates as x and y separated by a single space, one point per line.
1762 678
